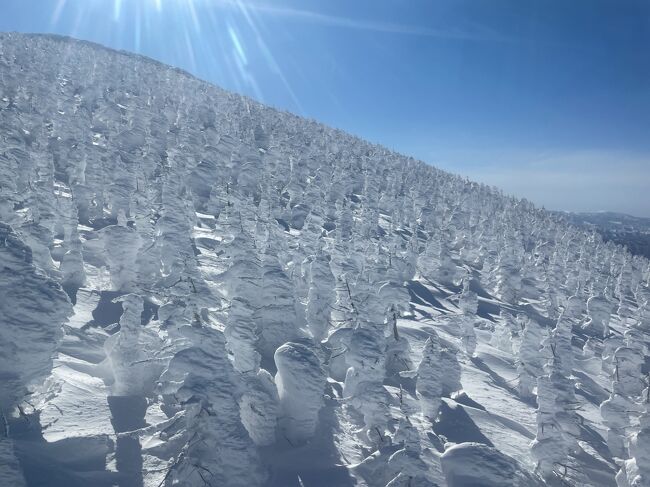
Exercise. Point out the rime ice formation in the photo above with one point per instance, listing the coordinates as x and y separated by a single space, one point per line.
635 471
201 384
33 309
429 380
300 382
259 407
529 361
198 290
599 311
321 296
133 351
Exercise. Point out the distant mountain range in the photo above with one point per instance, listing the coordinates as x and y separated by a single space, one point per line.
628 230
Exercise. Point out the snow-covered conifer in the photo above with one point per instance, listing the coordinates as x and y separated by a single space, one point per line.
33 309
134 352
468 335
300 382
615 412
468 300
429 378
635 471
320 297
508 273
214 445
502 337
398 349
529 360
451 378
599 312
259 407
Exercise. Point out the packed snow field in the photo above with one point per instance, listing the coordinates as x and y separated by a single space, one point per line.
198 290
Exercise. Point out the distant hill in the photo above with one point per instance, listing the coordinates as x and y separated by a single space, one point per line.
630 231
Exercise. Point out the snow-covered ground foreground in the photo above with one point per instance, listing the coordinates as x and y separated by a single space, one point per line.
197 290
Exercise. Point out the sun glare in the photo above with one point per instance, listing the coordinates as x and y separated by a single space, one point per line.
213 39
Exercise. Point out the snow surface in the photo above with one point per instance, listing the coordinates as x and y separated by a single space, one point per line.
198 290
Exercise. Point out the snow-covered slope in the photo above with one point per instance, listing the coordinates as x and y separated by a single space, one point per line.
198 290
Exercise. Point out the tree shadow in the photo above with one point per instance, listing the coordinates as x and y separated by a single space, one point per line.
70 462
71 290
499 381
591 436
420 294
597 471
590 389
457 426
317 463
107 312
127 414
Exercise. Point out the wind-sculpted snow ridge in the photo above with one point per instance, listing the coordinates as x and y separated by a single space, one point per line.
198 290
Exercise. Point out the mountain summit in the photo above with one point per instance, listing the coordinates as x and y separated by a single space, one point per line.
198 290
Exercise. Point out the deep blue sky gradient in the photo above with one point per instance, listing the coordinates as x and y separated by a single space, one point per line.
548 99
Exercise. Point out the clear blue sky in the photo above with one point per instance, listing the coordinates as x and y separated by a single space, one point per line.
548 99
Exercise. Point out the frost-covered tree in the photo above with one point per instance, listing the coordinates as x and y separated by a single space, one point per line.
635 471
553 441
300 382
121 246
365 357
214 445
508 275
33 308
73 275
259 407
275 313
446 270
615 412
628 364
557 422
320 297
505 331
451 378
405 467
468 300
599 312
530 359
134 353
429 378
468 335
363 387
398 348
560 338
241 283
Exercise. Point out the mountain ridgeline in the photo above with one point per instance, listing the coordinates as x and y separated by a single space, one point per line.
630 231
199 290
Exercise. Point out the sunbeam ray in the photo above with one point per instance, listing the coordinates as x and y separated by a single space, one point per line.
117 7
56 14
194 16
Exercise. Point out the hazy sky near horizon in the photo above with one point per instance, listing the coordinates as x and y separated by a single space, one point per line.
547 99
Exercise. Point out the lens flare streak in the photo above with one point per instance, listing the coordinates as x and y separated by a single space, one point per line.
225 41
